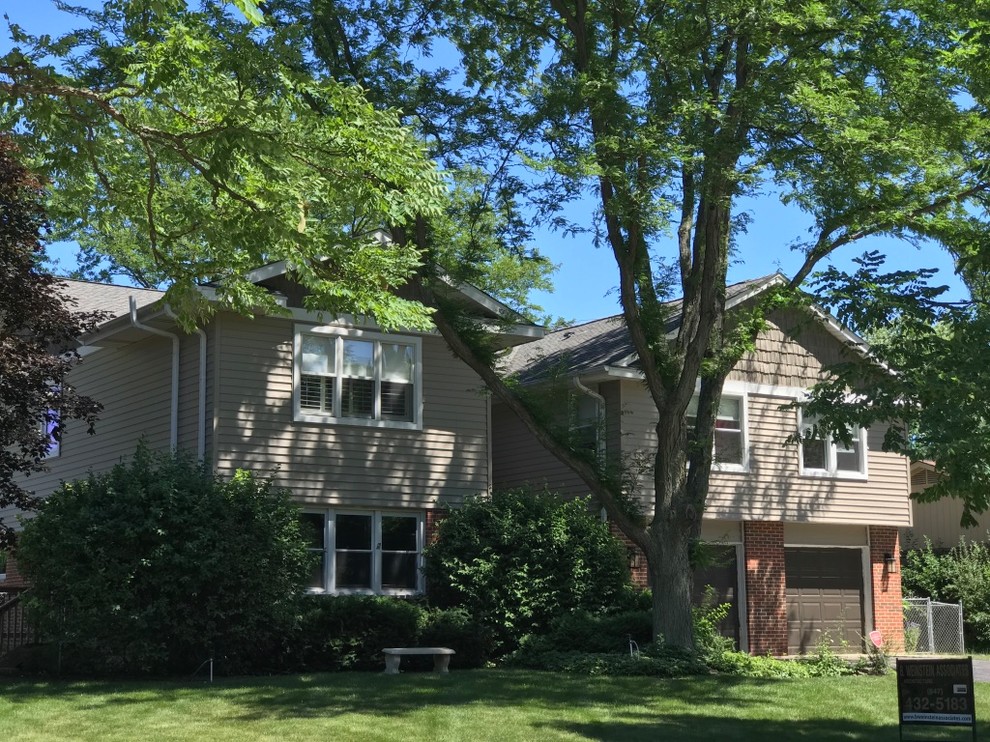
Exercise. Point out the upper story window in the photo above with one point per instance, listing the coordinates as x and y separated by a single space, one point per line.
821 456
585 423
48 427
357 378
730 432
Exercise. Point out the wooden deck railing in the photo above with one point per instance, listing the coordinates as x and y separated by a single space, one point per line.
15 629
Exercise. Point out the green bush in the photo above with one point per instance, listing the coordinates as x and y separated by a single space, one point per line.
745 665
664 662
348 632
961 575
455 628
708 640
519 559
157 565
597 633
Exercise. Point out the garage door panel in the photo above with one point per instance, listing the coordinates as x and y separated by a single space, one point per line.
824 589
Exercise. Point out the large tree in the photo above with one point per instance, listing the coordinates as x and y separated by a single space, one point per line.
38 330
869 117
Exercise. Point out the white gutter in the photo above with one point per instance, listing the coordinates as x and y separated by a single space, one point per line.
201 403
174 428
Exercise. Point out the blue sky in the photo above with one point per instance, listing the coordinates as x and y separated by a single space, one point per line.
587 276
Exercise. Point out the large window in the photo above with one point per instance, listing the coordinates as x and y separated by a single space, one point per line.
730 431
585 423
824 457
357 378
364 551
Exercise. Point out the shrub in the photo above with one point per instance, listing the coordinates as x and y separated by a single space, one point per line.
158 565
455 628
962 575
745 665
518 559
825 663
348 632
708 640
663 662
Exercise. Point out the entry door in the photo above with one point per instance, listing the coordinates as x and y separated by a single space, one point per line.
824 594
722 575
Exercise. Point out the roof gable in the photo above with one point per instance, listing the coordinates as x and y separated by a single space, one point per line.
603 344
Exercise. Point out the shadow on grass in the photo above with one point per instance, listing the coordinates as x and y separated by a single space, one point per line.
705 728
628 708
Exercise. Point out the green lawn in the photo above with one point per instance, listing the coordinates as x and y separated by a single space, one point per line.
476 705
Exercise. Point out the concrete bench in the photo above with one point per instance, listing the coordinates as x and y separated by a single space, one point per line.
393 656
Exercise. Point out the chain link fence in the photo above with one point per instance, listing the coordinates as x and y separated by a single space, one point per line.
933 627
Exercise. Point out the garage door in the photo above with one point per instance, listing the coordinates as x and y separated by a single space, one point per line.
722 576
824 594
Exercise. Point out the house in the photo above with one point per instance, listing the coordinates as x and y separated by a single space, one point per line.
373 433
939 521
809 531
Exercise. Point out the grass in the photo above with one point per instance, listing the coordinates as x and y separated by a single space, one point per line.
467 705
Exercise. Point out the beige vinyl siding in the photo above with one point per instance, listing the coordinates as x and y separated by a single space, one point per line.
939 521
519 459
337 464
133 382
188 391
773 489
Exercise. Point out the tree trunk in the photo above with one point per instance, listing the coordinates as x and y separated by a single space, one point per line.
672 582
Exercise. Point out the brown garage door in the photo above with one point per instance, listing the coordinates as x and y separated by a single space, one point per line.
824 594
722 576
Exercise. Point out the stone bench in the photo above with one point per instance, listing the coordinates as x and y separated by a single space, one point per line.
393 656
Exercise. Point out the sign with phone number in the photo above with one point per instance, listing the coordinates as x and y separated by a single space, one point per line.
936 692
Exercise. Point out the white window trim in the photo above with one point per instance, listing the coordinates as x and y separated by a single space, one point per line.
329 550
833 472
299 415
741 468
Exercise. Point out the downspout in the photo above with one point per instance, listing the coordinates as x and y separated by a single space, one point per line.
601 412
201 409
174 431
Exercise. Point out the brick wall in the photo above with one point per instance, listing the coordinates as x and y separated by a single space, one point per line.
638 571
433 518
888 611
15 580
765 587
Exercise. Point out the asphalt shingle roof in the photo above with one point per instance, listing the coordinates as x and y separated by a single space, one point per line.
104 297
601 342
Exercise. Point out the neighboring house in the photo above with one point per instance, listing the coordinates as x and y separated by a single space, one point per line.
938 521
374 434
810 531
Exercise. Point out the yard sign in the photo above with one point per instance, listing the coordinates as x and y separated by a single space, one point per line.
936 693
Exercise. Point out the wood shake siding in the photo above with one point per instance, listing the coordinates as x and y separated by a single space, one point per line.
339 464
791 351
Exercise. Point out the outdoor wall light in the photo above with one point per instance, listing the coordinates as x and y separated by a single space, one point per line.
889 563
